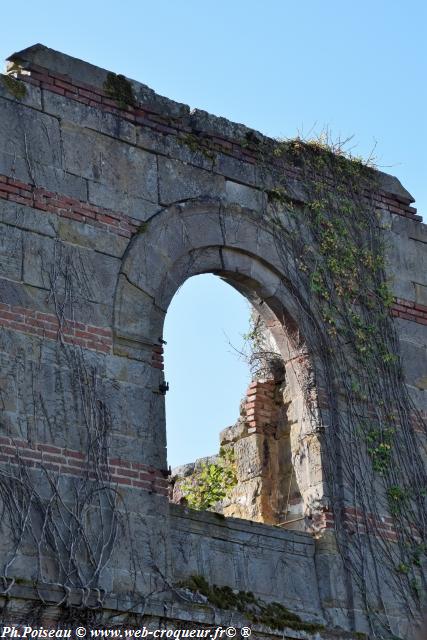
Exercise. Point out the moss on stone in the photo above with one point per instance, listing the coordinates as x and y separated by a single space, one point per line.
120 89
15 87
271 614
194 143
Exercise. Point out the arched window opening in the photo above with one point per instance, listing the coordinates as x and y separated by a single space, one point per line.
250 473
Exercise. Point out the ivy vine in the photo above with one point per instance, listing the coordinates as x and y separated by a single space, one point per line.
332 253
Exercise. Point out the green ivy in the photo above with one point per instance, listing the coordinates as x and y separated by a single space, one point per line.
212 483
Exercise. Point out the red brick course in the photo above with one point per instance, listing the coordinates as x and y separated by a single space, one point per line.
66 207
409 311
261 407
74 463
157 357
149 117
357 522
46 325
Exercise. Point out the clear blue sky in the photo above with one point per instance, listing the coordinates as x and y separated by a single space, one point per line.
279 66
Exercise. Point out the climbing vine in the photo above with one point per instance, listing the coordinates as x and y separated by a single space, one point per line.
70 524
332 253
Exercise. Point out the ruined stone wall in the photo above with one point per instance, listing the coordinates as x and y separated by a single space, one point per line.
107 205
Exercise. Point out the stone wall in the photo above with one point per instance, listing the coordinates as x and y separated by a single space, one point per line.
106 208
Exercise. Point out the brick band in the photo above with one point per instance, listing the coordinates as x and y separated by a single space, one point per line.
74 463
66 207
148 117
409 311
356 521
46 325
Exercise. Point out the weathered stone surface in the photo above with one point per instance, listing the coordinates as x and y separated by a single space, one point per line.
420 293
414 358
37 140
31 97
51 178
83 235
221 127
103 159
235 169
20 216
11 252
186 150
65 269
179 181
246 549
88 117
135 207
244 196
391 184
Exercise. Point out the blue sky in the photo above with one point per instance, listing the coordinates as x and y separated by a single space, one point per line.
282 67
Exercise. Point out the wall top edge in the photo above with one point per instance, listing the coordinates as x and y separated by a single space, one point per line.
198 119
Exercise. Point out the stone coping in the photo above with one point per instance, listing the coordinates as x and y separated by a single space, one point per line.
212 521
197 119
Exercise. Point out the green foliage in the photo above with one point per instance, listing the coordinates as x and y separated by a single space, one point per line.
194 143
142 227
278 195
254 336
396 498
380 447
15 87
212 483
402 568
120 89
272 614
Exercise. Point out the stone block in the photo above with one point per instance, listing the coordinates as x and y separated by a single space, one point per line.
234 169
84 235
50 178
186 149
392 185
103 195
28 219
87 117
249 455
35 139
407 227
420 293
133 311
178 181
244 196
31 98
406 260
414 360
8 390
125 370
88 276
144 451
109 161
411 332
11 252
203 121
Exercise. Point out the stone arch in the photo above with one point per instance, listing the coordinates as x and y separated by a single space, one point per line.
204 236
